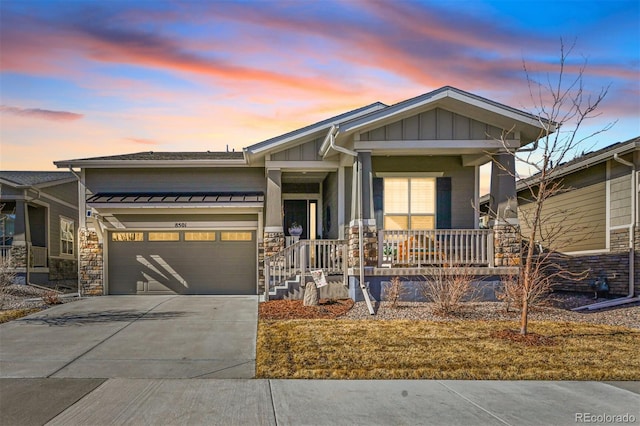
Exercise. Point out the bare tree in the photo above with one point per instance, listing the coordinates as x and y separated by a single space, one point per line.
563 106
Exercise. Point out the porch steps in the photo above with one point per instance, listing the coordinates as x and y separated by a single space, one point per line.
293 290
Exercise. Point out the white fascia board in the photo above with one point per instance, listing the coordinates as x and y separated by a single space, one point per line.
88 164
454 144
518 116
311 131
302 165
356 125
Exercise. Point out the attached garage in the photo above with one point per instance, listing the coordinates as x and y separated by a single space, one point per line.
182 262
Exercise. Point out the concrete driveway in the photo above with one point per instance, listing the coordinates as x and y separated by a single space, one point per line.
135 337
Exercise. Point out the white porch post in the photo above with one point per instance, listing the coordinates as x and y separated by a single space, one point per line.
504 211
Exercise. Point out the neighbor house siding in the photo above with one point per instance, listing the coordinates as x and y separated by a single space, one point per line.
175 180
572 221
434 124
55 212
8 192
304 152
462 181
620 194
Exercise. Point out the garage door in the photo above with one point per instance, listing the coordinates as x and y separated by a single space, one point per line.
182 262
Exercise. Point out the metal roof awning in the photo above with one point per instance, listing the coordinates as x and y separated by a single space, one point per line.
176 199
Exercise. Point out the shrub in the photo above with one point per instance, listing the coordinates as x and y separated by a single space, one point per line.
394 291
511 291
52 298
448 288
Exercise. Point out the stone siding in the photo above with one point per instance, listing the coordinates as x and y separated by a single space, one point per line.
507 244
91 279
273 242
370 245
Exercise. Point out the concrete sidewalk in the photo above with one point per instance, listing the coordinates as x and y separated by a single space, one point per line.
315 402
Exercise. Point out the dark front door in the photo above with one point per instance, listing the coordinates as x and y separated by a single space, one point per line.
296 211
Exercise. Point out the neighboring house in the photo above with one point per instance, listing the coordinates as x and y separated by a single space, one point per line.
38 224
597 214
218 222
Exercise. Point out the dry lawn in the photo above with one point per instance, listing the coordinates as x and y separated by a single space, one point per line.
352 349
12 314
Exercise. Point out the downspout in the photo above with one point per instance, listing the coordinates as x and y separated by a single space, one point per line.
632 246
333 131
73 172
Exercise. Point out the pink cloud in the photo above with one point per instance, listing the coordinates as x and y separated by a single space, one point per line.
41 114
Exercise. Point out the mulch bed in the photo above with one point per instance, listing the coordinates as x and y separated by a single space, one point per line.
294 309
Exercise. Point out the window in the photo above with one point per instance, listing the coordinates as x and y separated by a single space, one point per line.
409 203
127 236
199 236
236 236
164 236
67 236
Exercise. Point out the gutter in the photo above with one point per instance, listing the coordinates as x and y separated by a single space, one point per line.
632 246
331 140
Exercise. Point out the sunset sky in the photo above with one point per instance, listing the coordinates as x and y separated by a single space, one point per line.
90 78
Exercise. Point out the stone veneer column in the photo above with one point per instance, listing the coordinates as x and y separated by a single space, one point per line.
507 244
370 244
91 261
273 242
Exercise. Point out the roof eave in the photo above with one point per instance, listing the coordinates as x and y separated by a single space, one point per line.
605 156
148 163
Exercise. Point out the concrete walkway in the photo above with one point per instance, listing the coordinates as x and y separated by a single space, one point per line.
134 337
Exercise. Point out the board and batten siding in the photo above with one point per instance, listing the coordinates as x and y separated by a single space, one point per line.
577 218
462 181
304 152
330 206
435 124
241 179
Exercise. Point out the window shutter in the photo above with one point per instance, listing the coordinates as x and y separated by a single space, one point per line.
443 203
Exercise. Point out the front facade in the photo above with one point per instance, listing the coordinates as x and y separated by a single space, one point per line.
394 189
38 225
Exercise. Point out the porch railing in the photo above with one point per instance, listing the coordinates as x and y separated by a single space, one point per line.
439 247
302 257
5 254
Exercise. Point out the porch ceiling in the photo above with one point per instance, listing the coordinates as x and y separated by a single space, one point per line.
304 177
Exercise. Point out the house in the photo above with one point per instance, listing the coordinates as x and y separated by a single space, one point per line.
402 181
598 209
38 224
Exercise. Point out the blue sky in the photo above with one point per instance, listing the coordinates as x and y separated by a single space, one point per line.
87 78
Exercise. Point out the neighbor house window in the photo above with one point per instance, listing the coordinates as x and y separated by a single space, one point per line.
409 203
67 236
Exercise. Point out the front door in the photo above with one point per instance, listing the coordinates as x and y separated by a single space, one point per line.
303 213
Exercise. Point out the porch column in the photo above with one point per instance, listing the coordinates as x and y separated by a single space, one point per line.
273 239
363 198
504 211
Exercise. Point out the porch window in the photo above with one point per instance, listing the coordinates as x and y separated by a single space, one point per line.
67 236
409 203
7 228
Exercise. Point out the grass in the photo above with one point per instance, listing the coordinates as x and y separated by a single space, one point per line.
351 349
12 314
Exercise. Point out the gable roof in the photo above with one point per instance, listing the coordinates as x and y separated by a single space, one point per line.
312 128
34 178
151 158
451 98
